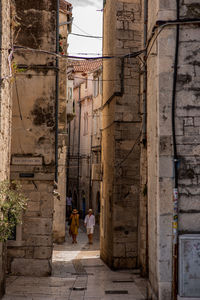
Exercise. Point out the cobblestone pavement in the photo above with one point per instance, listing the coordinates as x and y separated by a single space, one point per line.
78 274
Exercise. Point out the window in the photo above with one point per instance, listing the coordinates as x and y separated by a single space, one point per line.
95 124
101 85
86 83
70 93
85 123
96 86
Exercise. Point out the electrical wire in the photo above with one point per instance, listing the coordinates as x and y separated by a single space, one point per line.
126 157
18 47
18 102
81 29
161 27
87 36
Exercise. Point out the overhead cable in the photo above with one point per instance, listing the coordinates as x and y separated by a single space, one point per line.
87 36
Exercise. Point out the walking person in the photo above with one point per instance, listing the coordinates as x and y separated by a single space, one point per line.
89 223
68 206
74 225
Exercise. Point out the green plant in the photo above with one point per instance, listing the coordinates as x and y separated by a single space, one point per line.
12 203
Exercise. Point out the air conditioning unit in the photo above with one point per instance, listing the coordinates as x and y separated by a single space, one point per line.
96 172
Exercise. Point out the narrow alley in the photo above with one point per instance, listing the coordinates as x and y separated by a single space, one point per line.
78 274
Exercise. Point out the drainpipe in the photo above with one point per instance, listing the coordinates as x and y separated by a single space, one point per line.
175 159
68 156
144 129
144 121
57 91
79 144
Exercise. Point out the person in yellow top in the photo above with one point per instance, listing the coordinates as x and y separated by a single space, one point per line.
74 225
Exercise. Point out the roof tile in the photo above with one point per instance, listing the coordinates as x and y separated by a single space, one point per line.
85 65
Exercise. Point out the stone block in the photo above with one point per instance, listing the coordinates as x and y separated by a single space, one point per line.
44 187
34 196
31 214
13 252
165 166
131 248
28 186
191 131
124 263
165 194
35 240
40 226
119 250
197 121
188 121
125 34
165 145
165 290
30 267
189 222
42 252
188 203
33 206
189 139
29 252
166 15
46 205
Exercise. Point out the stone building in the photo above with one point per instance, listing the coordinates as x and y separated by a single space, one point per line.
173 146
65 23
84 135
157 183
5 110
34 143
121 132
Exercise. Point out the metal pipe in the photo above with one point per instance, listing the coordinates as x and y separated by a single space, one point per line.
68 156
175 158
144 121
145 73
79 144
57 91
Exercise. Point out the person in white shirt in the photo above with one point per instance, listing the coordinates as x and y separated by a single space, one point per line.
68 206
89 223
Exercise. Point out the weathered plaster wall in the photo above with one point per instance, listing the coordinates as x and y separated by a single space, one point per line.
5 114
121 125
33 135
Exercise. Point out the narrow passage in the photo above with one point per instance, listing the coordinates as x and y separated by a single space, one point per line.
78 274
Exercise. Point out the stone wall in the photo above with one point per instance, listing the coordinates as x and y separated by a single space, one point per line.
121 132
5 114
60 202
160 150
33 136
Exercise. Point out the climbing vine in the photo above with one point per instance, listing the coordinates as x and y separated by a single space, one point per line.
12 203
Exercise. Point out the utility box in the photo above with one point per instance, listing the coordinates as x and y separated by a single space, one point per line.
189 265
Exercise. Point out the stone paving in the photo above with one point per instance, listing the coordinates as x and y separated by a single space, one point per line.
78 274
